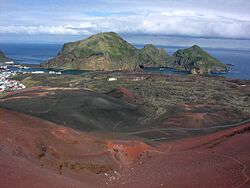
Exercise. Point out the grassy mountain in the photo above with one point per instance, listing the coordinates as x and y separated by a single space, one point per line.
3 58
109 52
154 57
105 51
196 60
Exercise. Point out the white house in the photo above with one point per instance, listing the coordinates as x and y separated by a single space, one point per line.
112 79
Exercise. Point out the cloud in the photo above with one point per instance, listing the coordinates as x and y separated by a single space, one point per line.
184 18
35 30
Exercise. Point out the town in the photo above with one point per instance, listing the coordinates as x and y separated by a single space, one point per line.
8 85
9 69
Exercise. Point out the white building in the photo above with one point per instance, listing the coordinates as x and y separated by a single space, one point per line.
112 79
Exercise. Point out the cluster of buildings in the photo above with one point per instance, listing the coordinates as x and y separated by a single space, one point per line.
9 69
8 85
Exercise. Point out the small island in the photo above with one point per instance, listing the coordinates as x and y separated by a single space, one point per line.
197 61
110 52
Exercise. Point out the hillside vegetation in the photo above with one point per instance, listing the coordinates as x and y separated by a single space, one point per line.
197 61
109 52
106 51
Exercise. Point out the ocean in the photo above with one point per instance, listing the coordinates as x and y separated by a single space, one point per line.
37 53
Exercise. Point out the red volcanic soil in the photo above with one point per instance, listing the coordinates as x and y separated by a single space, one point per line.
125 94
127 152
216 160
37 153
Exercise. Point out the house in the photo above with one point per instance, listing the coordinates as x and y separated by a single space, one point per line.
112 79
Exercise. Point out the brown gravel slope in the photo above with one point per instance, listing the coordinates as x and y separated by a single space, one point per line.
216 160
37 153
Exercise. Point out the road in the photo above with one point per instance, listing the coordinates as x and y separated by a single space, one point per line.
180 129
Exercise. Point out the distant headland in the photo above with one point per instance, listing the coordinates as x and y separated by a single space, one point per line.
3 58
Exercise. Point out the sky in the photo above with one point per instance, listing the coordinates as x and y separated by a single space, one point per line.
68 20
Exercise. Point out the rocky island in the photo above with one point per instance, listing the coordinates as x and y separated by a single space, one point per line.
197 61
109 52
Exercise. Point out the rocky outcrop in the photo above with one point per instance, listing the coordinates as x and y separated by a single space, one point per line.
3 57
108 52
197 61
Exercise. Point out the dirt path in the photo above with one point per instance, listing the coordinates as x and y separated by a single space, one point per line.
161 130
193 163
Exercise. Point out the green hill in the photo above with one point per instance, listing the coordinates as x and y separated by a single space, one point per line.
154 57
106 51
196 60
109 52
